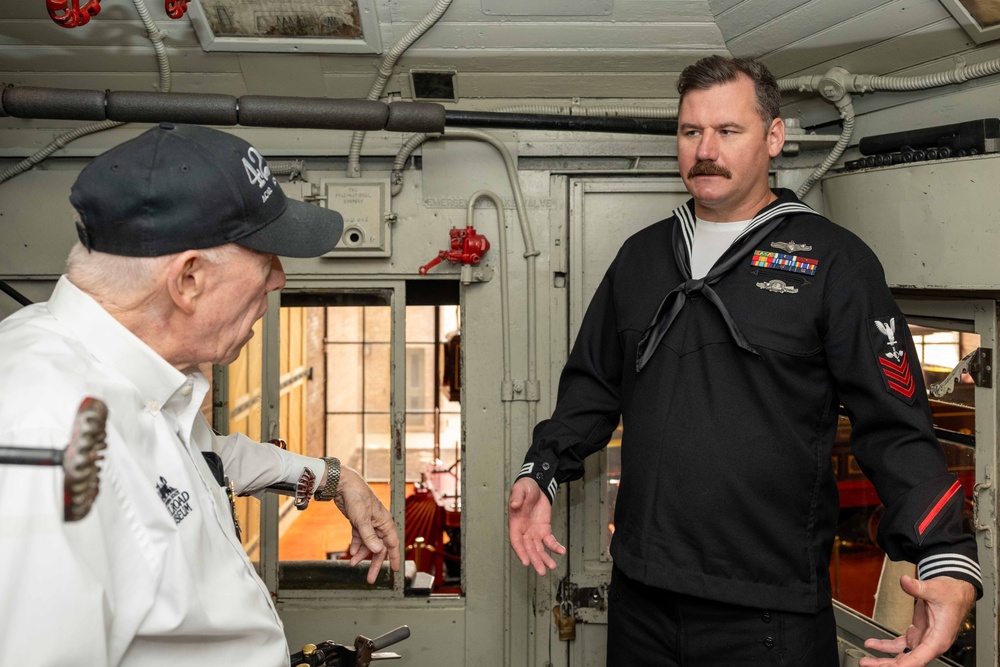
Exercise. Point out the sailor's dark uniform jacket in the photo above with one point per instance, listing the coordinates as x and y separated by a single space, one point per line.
727 487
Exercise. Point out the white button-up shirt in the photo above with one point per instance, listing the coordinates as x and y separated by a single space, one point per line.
154 574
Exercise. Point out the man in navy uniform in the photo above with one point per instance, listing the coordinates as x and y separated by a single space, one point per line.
725 338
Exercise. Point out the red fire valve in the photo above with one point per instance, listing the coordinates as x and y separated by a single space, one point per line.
69 13
467 247
175 8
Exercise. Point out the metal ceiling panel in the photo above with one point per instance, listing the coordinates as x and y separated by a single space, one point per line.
547 8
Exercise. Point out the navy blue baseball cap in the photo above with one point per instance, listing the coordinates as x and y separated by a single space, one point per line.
185 187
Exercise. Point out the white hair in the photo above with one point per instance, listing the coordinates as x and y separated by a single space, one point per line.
128 280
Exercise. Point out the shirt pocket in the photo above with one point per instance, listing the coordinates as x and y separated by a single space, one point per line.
777 310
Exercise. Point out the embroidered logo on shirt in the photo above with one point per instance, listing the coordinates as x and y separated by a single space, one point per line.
892 359
175 500
778 286
779 260
790 246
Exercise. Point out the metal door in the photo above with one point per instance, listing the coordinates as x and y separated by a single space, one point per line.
604 212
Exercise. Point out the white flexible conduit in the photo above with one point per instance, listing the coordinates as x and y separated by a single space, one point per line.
870 83
385 69
163 63
847 113
837 85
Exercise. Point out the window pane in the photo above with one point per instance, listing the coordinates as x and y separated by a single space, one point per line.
433 448
420 385
345 439
376 374
420 324
351 381
344 324
378 324
378 447
346 381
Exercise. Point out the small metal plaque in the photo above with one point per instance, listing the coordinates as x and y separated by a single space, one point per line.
364 205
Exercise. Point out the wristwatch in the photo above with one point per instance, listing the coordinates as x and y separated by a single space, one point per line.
329 489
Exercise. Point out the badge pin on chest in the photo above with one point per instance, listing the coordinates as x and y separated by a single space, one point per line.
778 287
791 246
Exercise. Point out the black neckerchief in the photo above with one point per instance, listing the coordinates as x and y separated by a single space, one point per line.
766 220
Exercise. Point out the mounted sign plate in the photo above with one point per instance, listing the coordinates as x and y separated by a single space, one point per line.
294 26
364 203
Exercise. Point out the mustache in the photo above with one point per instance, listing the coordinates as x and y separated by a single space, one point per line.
708 168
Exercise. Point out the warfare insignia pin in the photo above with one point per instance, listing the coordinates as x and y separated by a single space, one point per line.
892 360
778 286
782 262
791 246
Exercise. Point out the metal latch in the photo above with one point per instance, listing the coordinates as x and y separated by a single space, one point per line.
592 597
978 364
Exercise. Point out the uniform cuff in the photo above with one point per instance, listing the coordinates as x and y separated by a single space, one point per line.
544 475
292 465
952 565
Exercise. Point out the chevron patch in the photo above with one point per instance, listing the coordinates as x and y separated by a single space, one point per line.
898 376
890 350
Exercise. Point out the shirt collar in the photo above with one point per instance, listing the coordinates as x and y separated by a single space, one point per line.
785 203
115 346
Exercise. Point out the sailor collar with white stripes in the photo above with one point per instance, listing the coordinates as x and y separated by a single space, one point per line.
786 203
765 222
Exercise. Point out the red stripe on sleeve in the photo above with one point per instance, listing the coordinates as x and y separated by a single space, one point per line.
938 506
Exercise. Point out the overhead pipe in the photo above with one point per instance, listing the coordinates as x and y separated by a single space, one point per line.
291 112
163 66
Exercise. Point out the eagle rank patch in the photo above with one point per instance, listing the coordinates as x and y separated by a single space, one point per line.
890 351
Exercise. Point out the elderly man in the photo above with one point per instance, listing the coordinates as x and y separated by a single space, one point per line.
725 337
179 231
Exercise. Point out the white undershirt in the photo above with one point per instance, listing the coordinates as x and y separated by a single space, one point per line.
711 239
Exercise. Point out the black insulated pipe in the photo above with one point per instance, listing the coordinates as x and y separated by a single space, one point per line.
416 117
312 112
54 103
296 112
139 107
519 121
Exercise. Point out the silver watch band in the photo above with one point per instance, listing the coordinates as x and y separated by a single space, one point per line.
329 489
